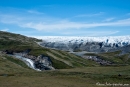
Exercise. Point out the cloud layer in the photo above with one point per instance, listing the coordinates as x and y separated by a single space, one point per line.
39 21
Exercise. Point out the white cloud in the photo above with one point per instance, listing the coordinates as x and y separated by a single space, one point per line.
89 33
103 33
58 25
90 15
128 14
53 25
108 19
6 29
43 23
34 12
84 33
73 25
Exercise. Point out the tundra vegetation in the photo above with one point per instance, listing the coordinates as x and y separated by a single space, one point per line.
71 70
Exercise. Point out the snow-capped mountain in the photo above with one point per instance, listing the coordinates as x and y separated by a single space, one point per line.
91 44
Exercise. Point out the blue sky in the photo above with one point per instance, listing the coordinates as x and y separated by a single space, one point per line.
65 17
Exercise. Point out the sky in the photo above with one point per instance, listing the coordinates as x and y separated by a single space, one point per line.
65 17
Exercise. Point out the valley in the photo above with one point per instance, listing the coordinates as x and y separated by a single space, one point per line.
66 68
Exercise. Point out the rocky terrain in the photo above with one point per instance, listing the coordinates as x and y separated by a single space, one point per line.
40 62
93 57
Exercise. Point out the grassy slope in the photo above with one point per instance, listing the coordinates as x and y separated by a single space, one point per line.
60 59
15 75
11 65
114 57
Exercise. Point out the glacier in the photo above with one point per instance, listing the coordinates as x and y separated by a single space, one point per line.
90 44
67 39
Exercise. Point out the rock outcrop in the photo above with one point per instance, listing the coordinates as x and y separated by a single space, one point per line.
40 62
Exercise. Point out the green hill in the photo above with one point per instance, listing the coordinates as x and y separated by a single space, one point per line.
60 59
115 57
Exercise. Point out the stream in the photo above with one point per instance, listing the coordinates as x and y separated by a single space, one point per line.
28 62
